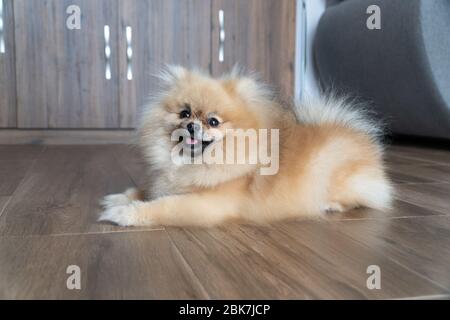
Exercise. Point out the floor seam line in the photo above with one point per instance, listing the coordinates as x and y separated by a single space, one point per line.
188 265
3 209
81 233
393 218
420 275
420 205
432 162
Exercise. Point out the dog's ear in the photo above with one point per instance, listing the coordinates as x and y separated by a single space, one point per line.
171 74
247 86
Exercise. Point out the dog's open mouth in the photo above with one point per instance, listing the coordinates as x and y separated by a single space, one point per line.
195 143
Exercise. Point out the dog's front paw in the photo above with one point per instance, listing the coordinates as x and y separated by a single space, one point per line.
122 215
114 200
333 207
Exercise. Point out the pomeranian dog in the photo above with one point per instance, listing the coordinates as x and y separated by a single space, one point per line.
320 157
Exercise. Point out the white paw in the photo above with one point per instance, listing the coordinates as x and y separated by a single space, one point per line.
333 207
114 200
122 215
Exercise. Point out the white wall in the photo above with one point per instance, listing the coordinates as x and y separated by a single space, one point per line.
306 83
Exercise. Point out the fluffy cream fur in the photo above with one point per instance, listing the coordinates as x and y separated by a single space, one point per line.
329 158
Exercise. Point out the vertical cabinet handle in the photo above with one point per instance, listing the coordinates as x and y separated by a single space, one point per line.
2 35
305 37
129 36
302 49
221 36
107 34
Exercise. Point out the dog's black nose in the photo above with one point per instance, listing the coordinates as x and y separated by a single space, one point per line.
192 127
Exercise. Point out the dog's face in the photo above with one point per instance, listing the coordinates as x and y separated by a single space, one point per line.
197 110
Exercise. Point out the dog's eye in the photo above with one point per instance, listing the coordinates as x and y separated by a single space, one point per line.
185 114
213 122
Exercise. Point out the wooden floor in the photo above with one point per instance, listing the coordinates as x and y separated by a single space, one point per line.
49 206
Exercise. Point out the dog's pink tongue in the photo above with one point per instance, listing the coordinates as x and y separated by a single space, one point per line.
190 140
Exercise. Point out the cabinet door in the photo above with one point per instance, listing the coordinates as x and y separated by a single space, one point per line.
7 67
61 78
260 36
159 32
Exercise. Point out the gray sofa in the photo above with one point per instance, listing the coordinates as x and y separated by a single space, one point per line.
403 68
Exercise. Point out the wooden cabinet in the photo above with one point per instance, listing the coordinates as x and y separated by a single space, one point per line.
61 80
7 66
259 35
162 32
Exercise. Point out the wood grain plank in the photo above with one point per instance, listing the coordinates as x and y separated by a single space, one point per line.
138 265
66 86
432 155
228 268
308 259
420 174
353 256
397 177
14 163
292 260
408 164
17 152
400 209
434 196
163 32
62 191
260 36
431 297
3 203
422 244
130 158
392 159
8 107
65 137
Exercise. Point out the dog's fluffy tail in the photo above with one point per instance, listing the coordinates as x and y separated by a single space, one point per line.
331 109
